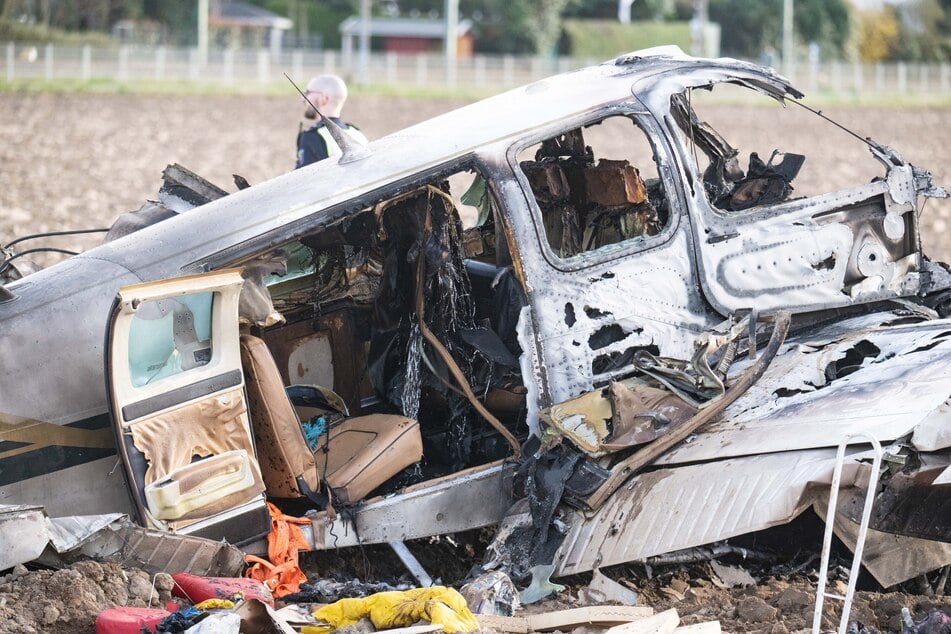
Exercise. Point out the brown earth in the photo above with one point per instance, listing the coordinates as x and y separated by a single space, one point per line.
68 601
77 161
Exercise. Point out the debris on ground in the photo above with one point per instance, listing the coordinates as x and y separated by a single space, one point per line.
682 598
388 610
69 600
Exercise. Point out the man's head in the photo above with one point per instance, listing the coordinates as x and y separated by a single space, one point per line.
328 93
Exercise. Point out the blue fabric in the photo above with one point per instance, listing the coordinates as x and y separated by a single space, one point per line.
313 429
178 622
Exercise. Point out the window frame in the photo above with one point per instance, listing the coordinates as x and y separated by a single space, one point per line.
666 170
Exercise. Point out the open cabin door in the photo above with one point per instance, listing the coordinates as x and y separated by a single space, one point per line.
178 406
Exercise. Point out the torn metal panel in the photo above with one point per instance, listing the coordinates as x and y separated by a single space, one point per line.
67 533
854 245
121 541
672 509
470 499
889 558
895 383
584 420
533 372
934 431
911 502
23 533
664 319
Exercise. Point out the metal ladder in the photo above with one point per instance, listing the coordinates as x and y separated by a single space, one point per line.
821 593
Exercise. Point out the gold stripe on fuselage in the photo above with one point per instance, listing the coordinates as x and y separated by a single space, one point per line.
39 434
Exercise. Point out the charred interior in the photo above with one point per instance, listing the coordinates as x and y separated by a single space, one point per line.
401 311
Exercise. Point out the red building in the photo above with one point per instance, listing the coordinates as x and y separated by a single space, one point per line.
406 36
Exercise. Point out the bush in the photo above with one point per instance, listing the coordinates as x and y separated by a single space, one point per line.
18 32
604 39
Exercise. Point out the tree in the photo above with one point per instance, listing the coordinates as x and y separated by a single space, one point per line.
545 25
923 35
878 31
747 28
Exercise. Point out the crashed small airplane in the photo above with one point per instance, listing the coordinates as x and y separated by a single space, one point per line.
637 343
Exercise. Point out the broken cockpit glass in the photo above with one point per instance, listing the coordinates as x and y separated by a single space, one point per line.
596 185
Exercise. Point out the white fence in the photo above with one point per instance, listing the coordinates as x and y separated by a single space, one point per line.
232 67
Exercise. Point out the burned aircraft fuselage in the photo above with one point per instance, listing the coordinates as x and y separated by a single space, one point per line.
609 220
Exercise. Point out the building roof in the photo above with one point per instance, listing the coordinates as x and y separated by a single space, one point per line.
403 27
236 13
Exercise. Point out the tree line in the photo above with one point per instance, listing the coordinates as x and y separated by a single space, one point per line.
915 30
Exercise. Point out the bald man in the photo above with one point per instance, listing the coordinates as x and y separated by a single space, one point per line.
328 93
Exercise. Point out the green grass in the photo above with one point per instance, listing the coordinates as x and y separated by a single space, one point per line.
185 87
604 38
283 89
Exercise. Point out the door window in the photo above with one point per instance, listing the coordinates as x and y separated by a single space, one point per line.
596 186
169 336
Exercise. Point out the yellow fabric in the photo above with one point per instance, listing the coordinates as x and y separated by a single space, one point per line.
215 604
387 610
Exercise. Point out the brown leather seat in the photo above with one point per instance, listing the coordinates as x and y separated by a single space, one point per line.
354 457
366 451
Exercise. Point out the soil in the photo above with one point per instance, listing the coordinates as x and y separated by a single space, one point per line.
78 161
67 601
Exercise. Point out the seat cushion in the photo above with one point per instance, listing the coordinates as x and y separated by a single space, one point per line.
364 452
283 453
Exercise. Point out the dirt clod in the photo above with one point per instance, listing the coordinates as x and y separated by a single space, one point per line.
754 609
69 600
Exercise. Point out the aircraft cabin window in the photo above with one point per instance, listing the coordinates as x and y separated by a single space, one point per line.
596 186
170 336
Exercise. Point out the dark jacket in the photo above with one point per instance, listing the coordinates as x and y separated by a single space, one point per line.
315 143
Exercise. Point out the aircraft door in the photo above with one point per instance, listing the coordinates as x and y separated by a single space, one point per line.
179 410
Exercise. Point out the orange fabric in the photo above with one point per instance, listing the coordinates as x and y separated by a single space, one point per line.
282 574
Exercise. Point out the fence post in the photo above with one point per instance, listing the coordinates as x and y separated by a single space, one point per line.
160 53
85 66
123 63
262 65
923 80
421 70
452 68
879 78
330 61
227 60
858 76
297 64
11 55
902 78
391 61
48 62
193 64
479 70
535 68
943 74
508 70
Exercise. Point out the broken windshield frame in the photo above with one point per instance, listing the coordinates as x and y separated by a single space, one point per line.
723 164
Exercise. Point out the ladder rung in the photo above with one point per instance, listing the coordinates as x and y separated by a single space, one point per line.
833 596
